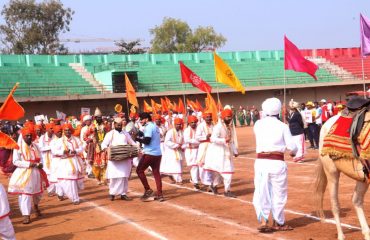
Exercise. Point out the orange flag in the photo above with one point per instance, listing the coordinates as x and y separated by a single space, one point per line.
212 107
147 107
164 105
199 106
155 107
7 142
169 104
130 92
11 110
181 107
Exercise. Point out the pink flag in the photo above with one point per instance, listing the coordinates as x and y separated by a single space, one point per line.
365 35
293 60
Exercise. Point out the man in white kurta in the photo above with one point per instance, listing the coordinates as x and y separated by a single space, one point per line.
273 137
220 153
118 172
203 136
44 144
173 153
28 178
6 227
87 120
191 145
70 165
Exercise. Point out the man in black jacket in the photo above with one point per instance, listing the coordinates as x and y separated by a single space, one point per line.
296 127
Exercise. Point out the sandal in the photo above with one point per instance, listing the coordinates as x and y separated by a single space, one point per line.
282 227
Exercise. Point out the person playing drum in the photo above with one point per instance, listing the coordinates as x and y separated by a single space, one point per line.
118 172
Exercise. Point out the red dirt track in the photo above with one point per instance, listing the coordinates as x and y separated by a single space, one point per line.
187 214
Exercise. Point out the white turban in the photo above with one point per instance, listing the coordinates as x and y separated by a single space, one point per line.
86 117
118 120
271 106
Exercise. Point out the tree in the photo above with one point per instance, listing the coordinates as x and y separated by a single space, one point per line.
34 28
174 35
133 47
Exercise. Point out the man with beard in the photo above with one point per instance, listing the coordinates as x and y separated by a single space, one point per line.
118 172
28 179
220 153
191 150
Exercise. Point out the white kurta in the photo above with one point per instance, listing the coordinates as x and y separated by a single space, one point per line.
6 227
118 169
171 159
270 176
201 136
44 144
191 145
83 132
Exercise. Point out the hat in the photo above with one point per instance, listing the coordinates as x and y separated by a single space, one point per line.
118 120
357 102
309 103
178 121
323 100
192 118
207 114
97 112
57 128
86 118
29 130
271 106
49 126
68 126
227 107
226 113
157 117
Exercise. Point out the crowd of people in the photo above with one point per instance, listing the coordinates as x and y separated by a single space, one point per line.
57 156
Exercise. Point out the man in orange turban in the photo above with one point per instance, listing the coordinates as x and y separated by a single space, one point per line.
191 150
219 157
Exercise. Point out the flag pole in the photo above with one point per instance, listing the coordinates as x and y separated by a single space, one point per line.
183 95
214 63
362 61
284 101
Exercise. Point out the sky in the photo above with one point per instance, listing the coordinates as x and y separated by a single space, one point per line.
246 24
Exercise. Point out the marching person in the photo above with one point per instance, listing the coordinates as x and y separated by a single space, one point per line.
53 174
191 150
70 166
152 156
270 170
46 156
220 153
28 179
6 227
203 135
86 137
118 172
173 154
296 127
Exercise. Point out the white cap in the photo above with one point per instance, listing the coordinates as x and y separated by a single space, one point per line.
86 117
118 120
323 100
271 106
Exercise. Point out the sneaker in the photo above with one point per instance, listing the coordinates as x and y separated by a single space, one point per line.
159 198
125 198
229 194
147 194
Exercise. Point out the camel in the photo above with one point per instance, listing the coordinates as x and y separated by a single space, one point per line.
328 174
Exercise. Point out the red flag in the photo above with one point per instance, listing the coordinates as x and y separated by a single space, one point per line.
293 60
11 110
189 76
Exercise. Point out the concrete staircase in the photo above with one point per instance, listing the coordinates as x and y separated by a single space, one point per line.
334 69
81 70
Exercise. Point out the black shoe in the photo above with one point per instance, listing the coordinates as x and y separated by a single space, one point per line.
147 194
196 186
111 197
76 203
214 189
125 198
172 179
159 198
229 194
61 198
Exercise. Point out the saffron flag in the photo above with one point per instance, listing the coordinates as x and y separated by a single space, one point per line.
212 107
7 142
147 107
164 105
181 107
11 110
130 92
169 104
200 108
189 76
293 60
224 74
365 35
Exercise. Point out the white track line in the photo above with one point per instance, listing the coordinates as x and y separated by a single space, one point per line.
331 221
126 220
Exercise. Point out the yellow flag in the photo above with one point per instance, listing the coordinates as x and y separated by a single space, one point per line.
224 74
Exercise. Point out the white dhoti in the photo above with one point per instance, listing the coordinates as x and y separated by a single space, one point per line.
270 194
300 143
70 189
226 178
6 229
118 186
25 202
205 176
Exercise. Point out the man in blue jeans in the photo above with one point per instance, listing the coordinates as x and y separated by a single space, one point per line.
152 156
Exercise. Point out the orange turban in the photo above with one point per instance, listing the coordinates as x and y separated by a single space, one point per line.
57 128
226 113
192 118
49 126
206 114
157 117
38 127
29 130
178 121
68 126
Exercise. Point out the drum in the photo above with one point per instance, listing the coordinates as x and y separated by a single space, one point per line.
122 152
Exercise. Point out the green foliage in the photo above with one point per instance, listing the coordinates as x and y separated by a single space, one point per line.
174 35
34 28
132 47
